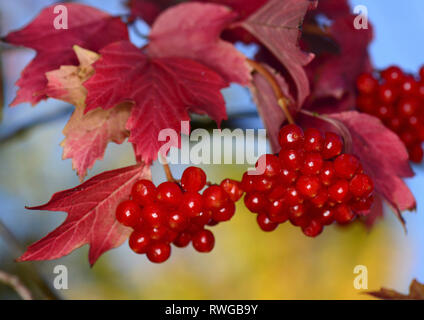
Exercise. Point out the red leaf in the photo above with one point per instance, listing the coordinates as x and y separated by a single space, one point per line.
192 30
54 46
271 113
164 91
244 8
334 74
148 10
91 216
277 25
383 156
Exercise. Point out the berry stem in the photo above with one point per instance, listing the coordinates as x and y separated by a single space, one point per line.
167 170
281 99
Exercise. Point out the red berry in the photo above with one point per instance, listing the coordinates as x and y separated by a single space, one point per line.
139 242
395 123
408 86
333 145
248 182
313 229
327 174
158 233
177 221
128 213
203 241
277 193
265 223
203 218
263 183
291 159
366 83
339 191
384 111
255 202
293 197
361 185
193 179
308 186
191 204
270 165
144 192
313 163
287 176
298 216
421 73
392 75
182 240
169 193
362 205
153 214
325 216
159 252
416 153
343 214
214 197
366 103
170 236
346 165
225 213
314 142
291 137
320 199
277 211
408 106
387 93
232 188
408 137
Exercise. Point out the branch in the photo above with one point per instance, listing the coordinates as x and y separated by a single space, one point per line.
16 284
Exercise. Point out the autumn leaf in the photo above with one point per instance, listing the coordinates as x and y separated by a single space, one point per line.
277 26
192 30
91 215
164 90
416 292
54 46
271 113
383 156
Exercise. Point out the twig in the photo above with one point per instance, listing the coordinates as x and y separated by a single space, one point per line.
16 284
315 30
167 169
281 99
17 249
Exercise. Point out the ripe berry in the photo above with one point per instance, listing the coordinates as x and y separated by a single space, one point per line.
144 192
407 107
128 213
327 174
313 163
361 185
169 193
265 223
270 165
313 228
153 214
263 183
203 218
139 242
308 186
182 240
346 165
343 214
159 252
193 179
408 86
292 159
287 176
387 93
333 145
255 202
384 111
203 241
325 216
191 204
320 199
366 103
366 83
232 188
177 221
291 137
214 197
339 191
362 205
314 141
293 196
225 213
248 182
158 233
416 153
392 75
278 211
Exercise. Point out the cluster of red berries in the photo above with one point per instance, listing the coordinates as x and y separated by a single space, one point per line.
398 100
176 213
310 183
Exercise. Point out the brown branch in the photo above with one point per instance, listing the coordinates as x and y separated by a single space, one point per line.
16 284
315 30
167 169
281 99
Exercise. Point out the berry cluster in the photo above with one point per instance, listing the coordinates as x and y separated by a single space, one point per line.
176 213
397 99
310 183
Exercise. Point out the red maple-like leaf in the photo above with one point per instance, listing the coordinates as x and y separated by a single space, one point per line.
192 30
91 216
54 46
277 26
269 110
164 90
383 157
